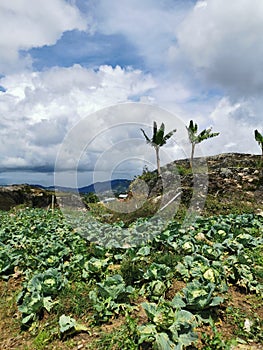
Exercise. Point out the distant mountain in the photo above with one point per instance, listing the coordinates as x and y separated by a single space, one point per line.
117 185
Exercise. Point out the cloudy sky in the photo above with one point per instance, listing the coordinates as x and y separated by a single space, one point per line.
79 78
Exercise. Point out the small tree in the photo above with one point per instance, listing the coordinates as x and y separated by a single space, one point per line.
259 139
91 197
158 140
197 138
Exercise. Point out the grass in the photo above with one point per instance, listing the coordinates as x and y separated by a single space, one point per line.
117 337
74 299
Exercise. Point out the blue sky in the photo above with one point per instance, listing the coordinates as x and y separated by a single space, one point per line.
88 50
63 62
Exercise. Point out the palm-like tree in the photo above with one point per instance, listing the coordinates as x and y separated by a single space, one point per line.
197 138
158 140
259 139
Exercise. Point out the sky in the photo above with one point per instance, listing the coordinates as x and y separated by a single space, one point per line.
79 78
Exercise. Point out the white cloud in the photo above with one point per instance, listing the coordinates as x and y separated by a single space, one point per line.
223 42
25 24
236 134
39 108
219 46
195 50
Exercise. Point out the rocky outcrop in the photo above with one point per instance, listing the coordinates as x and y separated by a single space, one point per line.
15 195
225 175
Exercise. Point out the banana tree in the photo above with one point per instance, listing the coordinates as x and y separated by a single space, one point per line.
197 138
158 140
259 139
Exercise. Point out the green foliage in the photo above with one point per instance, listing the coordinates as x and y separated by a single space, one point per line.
122 337
198 296
146 175
110 297
65 274
259 138
184 171
247 327
74 299
169 327
69 326
203 135
90 198
38 292
132 270
158 140
215 341
196 138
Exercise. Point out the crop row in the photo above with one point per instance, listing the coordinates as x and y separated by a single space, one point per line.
207 256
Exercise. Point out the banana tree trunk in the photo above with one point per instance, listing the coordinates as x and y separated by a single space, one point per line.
192 154
157 149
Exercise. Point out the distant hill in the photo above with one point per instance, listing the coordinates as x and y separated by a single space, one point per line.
117 185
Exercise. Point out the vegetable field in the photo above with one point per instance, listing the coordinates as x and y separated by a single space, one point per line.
195 287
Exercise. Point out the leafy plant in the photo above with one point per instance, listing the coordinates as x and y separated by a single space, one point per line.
259 139
37 294
69 326
158 140
198 296
197 138
95 267
169 327
111 297
215 341
65 272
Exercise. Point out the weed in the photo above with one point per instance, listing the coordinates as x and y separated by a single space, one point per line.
183 171
74 299
123 337
41 340
246 327
167 258
132 271
215 341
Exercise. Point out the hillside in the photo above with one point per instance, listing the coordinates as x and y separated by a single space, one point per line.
221 184
231 181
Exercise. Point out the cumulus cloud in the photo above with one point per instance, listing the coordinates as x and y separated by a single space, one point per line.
219 50
199 51
39 108
117 141
25 24
223 41
236 134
